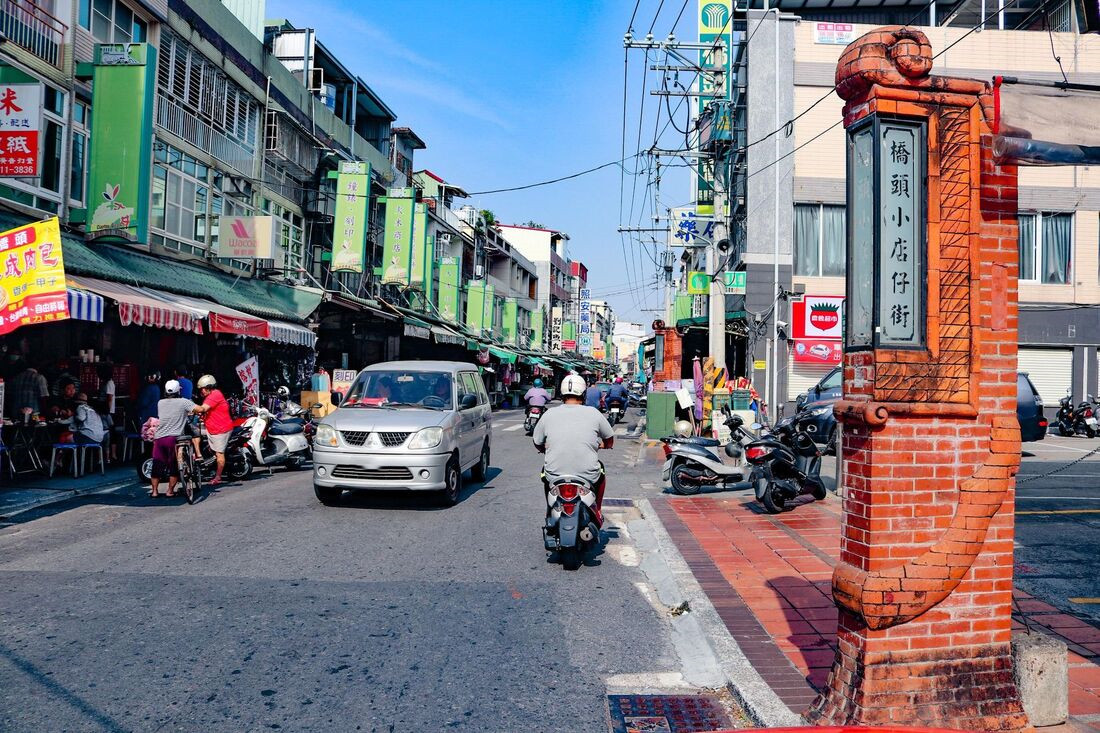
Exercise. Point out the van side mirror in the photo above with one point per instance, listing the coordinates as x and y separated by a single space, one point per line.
468 401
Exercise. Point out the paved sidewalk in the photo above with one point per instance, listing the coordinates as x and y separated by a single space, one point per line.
769 578
29 490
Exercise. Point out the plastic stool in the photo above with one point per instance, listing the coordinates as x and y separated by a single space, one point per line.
127 443
85 454
64 448
5 452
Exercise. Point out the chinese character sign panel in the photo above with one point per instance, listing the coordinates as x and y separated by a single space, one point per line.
32 289
450 296
248 371
585 326
245 237
20 116
861 228
352 215
901 183
818 317
397 252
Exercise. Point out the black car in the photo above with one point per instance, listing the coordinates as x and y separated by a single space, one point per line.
818 402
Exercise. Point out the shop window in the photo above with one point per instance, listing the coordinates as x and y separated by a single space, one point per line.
1046 248
77 158
819 240
289 235
52 148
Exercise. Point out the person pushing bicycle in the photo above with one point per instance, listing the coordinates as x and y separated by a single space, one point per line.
173 412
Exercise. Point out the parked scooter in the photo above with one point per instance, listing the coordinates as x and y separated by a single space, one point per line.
238 459
786 464
571 529
1073 420
694 462
274 442
534 414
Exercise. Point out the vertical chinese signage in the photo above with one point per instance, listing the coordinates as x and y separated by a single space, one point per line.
420 277
715 24
584 338
450 296
510 320
397 251
20 119
349 228
122 137
886 172
33 287
901 246
555 328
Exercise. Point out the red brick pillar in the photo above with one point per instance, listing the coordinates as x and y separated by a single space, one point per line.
672 355
931 440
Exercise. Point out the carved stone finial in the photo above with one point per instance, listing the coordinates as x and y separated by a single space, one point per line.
891 56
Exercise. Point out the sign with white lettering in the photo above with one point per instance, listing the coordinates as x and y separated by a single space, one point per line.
20 117
901 181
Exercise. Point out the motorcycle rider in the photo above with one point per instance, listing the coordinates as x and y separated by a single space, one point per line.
571 436
535 397
618 393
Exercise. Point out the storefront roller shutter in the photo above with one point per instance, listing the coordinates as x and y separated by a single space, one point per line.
1050 370
802 376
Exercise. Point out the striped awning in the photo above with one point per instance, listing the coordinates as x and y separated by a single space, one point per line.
292 333
85 306
142 307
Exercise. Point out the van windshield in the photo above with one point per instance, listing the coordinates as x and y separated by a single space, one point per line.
396 388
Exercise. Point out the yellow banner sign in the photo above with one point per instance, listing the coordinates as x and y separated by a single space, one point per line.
32 289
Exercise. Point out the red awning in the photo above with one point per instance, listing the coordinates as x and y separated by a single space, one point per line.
241 325
143 306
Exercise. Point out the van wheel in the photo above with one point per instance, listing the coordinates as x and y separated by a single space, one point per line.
453 479
327 495
481 470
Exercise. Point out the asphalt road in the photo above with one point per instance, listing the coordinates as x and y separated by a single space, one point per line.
259 608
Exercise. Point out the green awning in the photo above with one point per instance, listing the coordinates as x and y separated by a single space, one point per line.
504 355
705 320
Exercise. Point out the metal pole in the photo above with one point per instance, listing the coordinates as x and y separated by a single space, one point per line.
773 366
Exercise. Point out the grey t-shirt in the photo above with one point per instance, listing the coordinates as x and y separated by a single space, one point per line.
572 435
173 412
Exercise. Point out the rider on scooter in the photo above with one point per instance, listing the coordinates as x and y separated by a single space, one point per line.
570 436
535 397
618 393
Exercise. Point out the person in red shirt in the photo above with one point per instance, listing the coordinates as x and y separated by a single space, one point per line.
219 423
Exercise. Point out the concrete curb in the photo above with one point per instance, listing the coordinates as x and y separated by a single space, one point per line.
61 495
760 703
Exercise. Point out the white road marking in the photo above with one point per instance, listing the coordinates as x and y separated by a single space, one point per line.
513 427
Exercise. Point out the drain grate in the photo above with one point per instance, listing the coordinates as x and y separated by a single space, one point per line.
618 502
666 714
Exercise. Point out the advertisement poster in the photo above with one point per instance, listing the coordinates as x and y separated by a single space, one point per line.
249 373
245 237
342 379
349 225
818 352
397 252
20 117
818 317
32 289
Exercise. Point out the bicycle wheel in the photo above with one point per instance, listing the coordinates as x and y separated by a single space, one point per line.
189 475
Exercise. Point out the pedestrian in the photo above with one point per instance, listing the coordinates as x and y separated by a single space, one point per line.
186 386
593 397
106 403
173 412
29 389
85 423
219 423
148 398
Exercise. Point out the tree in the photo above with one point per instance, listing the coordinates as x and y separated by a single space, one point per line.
489 217
533 224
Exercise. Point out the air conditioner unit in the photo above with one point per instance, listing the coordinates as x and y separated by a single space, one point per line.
316 79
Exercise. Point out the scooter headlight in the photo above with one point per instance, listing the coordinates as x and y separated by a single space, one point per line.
427 438
326 435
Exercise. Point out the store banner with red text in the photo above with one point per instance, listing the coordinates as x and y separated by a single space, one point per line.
818 317
20 119
249 373
240 325
818 352
32 289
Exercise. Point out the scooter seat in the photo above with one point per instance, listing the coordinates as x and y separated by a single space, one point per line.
282 428
697 440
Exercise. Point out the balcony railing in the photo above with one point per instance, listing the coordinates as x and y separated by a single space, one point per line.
202 135
30 27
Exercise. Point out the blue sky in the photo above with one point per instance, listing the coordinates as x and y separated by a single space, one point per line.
510 93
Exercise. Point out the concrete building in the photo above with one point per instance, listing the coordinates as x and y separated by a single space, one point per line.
626 338
546 249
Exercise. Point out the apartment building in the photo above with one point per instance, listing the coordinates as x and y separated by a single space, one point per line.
545 248
795 199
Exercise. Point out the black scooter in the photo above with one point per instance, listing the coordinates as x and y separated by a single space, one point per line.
786 464
1081 419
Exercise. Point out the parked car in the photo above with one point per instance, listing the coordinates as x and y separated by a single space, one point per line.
405 425
821 424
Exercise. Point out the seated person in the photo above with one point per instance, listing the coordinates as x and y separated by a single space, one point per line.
64 405
441 391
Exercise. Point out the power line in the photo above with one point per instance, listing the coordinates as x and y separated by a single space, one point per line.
571 176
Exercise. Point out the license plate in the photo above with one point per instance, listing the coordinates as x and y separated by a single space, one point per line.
1091 421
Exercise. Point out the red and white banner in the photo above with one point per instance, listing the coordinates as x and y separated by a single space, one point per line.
20 118
249 373
818 352
241 325
141 314
818 317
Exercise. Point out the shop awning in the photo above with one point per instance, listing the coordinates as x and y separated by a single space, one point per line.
85 305
446 336
292 333
222 318
504 355
142 307
417 328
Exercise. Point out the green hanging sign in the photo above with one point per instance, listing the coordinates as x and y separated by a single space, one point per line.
479 306
421 261
538 327
349 228
119 171
397 250
510 321
450 290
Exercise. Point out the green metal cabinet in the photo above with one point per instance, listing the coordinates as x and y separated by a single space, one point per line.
660 414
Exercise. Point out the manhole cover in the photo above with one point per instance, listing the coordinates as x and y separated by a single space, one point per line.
666 714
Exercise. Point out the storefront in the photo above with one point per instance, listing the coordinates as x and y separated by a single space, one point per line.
816 343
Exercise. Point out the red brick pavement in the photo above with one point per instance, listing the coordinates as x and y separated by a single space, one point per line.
779 569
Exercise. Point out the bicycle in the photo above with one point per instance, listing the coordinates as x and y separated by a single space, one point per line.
190 475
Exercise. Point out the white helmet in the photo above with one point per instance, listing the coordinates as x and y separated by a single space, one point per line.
283 392
573 385
206 380
171 387
682 428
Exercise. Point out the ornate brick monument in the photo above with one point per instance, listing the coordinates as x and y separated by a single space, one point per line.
931 441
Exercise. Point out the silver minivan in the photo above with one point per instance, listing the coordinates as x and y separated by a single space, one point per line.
405 425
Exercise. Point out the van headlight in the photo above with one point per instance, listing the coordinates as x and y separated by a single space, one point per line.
427 438
326 435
